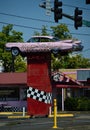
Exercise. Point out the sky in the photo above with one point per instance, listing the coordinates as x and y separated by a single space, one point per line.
34 17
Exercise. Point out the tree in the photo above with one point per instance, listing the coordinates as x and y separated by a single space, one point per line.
61 31
78 61
70 62
20 64
43 31
67 61
9 35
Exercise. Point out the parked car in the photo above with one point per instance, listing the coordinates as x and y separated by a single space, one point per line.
44 44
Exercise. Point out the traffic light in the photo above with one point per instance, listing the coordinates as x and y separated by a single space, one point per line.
87 1
77 18
57 10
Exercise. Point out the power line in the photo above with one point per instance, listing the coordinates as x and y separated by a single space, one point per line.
75 7
28 18
85 34
69 5
24 26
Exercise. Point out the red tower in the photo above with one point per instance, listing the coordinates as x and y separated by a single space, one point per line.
39 93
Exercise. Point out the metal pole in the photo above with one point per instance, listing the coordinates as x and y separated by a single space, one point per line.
52 10
23 111
50 111
12 66
55 114
62 99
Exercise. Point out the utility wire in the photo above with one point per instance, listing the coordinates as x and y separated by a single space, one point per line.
23 26
69 5
85 34
28 18
75 7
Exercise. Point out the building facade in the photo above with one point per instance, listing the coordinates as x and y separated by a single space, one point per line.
13 89
66 83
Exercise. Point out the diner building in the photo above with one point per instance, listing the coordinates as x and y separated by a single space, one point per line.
65 83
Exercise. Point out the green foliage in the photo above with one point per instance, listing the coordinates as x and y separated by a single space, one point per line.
7 61
77 104
70 62
67 61
43 31
61 31
20 64
78 61
71 104
9 35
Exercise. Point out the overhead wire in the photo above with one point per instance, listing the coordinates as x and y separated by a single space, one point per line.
75 7
24 26
28 18
23 17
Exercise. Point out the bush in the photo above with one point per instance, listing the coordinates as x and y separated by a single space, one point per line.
77 104
71 104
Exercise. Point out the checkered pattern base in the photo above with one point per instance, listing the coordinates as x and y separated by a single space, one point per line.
39 95
12 109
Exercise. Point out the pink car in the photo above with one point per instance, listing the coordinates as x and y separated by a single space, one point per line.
44 44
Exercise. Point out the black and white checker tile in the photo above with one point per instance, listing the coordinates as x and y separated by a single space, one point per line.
12 109
39 95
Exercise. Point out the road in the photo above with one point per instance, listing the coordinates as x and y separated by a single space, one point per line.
78 122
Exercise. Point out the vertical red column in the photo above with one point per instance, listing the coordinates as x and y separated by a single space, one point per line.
38 79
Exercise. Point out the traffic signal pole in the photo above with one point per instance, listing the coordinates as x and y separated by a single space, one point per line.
52 10
84 22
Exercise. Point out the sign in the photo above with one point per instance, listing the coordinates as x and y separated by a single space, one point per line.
86 23
48 7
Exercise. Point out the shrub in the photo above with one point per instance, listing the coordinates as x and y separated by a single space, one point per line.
75 104
71 104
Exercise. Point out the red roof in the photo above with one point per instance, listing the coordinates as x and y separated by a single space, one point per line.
21 78
13 78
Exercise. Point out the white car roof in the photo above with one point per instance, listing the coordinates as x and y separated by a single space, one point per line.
50 37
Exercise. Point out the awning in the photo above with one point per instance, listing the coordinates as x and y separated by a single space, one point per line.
62 80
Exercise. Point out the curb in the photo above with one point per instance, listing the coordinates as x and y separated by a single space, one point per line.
62 115
18 115
27 116
6 113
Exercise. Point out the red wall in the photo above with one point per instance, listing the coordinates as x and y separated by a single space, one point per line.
38 79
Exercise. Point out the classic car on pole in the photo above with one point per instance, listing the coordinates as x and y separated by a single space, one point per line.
38 51
44 44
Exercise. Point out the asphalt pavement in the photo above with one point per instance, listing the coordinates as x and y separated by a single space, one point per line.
65 121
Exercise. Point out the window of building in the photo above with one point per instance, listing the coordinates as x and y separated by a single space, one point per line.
9 94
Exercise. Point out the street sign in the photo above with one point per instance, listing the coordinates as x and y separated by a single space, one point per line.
86 23
48 7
